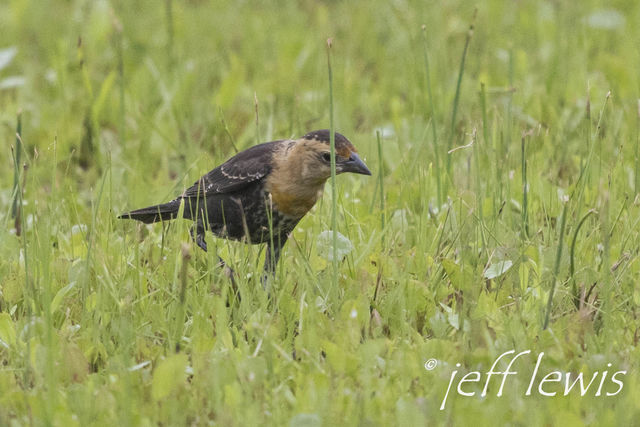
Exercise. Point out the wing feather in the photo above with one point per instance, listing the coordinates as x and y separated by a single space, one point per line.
244 168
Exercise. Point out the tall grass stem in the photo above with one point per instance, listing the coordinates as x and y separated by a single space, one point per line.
381 185
525 190
436 148
572 269
456 99
15 207
556 268
334 192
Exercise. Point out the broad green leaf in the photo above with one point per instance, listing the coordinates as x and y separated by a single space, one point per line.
12 81
7 331
336 356
6 56
169 376
91 301
497 269
460 277
305 420
340 359
57 300
78 240
606 19
105 90
399 220
325 245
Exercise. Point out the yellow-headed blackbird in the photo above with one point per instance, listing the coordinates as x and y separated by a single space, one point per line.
260 194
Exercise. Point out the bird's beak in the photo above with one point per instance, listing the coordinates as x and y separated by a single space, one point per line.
356 165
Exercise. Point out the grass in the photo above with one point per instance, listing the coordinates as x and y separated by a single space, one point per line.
334 193
105 321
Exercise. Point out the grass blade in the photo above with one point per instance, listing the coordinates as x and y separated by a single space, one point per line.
436 149
381 185
334 192
556 268
525 190
637 165
572 270
16 170
456 99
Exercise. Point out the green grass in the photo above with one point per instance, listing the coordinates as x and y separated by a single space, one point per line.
124 104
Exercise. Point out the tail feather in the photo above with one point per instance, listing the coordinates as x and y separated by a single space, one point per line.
155 213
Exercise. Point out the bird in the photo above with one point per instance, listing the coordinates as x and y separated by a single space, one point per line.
259 195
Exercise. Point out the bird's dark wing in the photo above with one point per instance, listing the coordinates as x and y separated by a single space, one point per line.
239 171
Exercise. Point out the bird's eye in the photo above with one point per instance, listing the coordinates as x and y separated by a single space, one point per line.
326 156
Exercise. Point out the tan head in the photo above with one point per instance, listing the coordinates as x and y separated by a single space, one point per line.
313 154
302 168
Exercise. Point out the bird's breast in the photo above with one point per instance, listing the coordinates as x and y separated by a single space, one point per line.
293 200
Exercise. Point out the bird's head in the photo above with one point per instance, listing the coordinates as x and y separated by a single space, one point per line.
301 168
313 151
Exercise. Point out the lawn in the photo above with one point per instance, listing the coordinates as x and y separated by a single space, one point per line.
490 271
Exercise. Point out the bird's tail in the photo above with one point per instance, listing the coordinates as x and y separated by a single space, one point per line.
154 213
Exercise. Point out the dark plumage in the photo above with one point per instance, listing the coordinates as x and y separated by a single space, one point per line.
260 194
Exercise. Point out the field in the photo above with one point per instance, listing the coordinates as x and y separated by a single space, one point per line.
502 215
